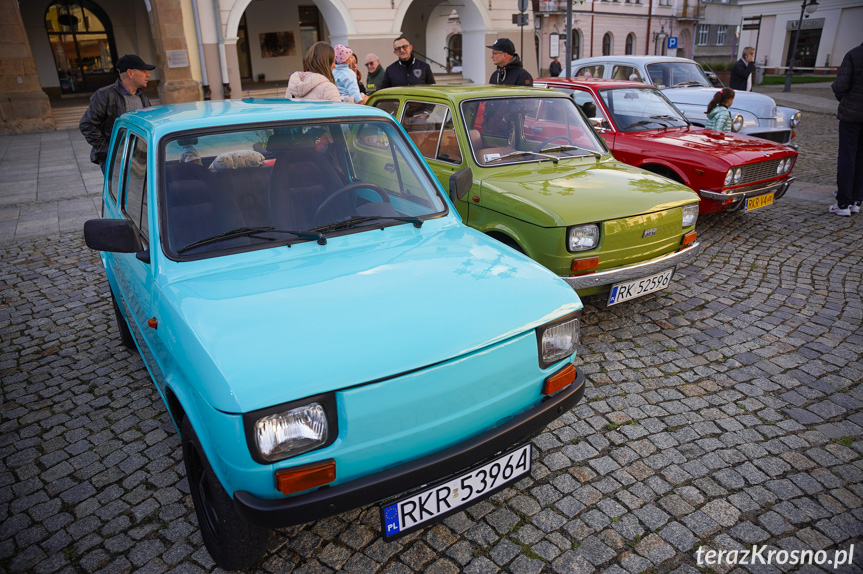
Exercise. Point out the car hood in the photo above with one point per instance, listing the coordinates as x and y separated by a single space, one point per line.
760 105
365 307
578 191
726 148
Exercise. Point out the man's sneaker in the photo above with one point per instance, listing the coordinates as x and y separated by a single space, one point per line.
855 207
840 210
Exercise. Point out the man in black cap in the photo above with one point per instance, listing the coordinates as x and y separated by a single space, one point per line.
112 101
509 69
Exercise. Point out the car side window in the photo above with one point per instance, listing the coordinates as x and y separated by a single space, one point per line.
595 71
389 106
630 73
431 128
135 196
587 103
114 166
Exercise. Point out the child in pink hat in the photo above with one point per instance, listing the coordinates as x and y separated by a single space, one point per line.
346 79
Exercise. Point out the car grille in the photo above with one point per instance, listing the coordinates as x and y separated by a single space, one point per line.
781 136
760 171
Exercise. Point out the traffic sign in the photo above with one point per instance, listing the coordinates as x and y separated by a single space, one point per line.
672 42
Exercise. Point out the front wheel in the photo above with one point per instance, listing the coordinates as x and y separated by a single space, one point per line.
233 543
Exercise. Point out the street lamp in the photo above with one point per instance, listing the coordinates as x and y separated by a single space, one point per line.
806 8
660 41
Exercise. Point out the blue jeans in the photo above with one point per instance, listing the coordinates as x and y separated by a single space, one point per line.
849 168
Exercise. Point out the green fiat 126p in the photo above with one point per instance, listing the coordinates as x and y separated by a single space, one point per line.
545 184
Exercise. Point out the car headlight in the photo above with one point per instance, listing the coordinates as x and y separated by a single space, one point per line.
291 432
780 168
737 123
795 119
789 161
583 237
557 340
690 214
734 175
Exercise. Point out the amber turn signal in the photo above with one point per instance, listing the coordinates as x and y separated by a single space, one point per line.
152 323
689 239
291 480
561 379
586 264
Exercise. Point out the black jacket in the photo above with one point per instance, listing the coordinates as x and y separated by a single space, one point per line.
513 74
412 73
106 105
848 86
740 73
555 68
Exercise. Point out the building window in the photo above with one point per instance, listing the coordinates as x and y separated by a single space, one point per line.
630 44
606 44
82 42
703 30
576 45
720 34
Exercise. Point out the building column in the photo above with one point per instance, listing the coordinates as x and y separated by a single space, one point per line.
24 107
172 53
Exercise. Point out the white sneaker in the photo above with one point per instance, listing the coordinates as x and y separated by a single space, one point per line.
855 207
840 210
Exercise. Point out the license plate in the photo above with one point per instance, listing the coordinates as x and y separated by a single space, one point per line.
632 289
414 510
760 201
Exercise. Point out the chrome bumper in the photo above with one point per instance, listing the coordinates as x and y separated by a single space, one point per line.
778 188
633 271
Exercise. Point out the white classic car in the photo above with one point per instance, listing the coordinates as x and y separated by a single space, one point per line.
685 83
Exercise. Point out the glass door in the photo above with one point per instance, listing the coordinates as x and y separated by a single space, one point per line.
82 43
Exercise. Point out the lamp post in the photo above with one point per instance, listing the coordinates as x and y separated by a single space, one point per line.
807 8
660 41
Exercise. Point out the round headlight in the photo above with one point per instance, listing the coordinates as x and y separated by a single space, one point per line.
795 119
729 177
780 168
789 161
583 237
738 175
737 123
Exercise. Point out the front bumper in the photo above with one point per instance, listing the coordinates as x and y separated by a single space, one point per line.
630 272
740 195
327 501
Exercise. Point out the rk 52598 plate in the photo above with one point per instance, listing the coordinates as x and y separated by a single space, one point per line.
414 510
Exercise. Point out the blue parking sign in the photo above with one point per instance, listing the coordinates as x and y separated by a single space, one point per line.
672 42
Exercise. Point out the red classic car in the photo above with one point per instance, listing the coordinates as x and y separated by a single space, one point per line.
643 128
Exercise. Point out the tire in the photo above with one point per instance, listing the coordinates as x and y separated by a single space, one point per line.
233 543
125 334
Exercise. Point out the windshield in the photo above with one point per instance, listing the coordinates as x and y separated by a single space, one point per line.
255 187
639 109
677 74
519 130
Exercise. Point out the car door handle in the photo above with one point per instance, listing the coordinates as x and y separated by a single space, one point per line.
535 130
390 167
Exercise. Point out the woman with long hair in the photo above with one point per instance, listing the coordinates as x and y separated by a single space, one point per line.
315 82
718 114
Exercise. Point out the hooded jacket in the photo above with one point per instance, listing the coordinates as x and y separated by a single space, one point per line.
106 105
311 86
719 118
513 74
848 87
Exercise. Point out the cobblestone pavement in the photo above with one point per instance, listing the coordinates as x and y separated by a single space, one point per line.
722 413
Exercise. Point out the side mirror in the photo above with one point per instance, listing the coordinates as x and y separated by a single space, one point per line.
113 235
460 183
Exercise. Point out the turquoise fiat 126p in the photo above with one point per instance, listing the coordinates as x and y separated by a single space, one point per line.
323 329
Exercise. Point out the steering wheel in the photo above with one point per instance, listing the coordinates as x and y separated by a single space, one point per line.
347 189
551 139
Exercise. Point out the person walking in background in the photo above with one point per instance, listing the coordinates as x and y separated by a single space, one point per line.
315 82
555 68
718 114
407 70
509 68
112 101
346 79
848 89
374 73
742 70
352 64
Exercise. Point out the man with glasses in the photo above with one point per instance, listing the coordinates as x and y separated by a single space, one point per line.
407 70
509 68
374 73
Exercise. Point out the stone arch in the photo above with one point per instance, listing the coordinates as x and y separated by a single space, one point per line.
336 14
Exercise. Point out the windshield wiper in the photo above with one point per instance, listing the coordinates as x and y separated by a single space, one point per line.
688 83
518 153
246 231
671 119
644 123
596 154
355 220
